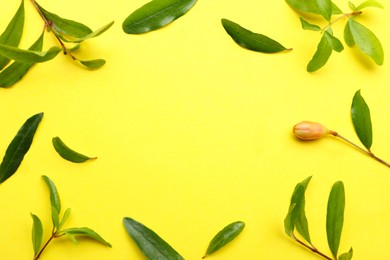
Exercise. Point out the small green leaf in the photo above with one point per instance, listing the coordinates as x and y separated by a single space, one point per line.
310 6
348 38
335 217
88 36
325 8
352 6
369 3
156 14
93 64
251 41
13 33
225 236
347 256
15 72
54 196
308 26
65 217
361 119
28 56
37 233
55 217
67 153
321 56
334 42
85 232
18 147
151 245
366 41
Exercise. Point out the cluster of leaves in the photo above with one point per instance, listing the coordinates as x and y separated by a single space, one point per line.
58 223
65 31
154 247
296 220
354 32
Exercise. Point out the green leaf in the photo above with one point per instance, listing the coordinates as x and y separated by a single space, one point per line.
37 233
65 217
348 38
310 6
321 56
67 153
13 33
54 196
361 119
352 6
347 256
15 72
55 217
335 217
225 236
369 3
308 26
93 64
28 56
64 26
85 232
325 8
156 14
366 41
251 41
334 42
151 245
88 36
18 147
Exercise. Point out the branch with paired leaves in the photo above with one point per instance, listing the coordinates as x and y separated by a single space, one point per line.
58 223
69 34
354 32
296 220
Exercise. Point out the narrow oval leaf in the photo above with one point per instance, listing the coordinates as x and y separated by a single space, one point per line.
369 3
225 236
13 33
55 217
334 42
65 217
89 36
335 217
352 6
325 8
348 38
54 196
251 41
15 72
361 119
347 256
93 64
367 41
310 6
151 245
308 26
37 233
67 153
18 147
28 56
156 14
85 232
321 56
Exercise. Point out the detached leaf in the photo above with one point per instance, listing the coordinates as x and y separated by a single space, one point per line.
156 14
310 6
54 196
308 26
348 38
366 41
13 33
85 232
37 233
19 147
325 8
335 217
334 43
67 153
225 236
361 119
89 36
251 41
347 256
93 64
151 245
28 56
321 56
369 3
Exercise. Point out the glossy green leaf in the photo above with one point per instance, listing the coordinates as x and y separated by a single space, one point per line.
65 217
366 41
308 26
369 3
325 8
225 236
352 6
66 27
321 56
251 41
348 38
346 256
361 119
156 14
15 72
84 232
54 196
334 42
55 217
37 233
151 245
335 217
13 33
93 64
88 36
67 153
310 6
28 56
18 147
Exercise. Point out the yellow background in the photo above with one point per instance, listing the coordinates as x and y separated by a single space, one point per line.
193 132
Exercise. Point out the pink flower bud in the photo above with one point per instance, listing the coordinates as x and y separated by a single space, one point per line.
307 130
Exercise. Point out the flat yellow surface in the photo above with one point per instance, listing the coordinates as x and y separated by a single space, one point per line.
193 132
